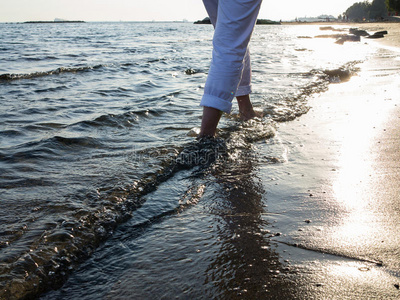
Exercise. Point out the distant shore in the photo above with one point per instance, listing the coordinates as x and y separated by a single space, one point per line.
51 22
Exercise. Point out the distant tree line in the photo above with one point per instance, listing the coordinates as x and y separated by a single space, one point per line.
393 5
375 10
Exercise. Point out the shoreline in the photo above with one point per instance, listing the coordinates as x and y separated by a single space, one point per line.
50 22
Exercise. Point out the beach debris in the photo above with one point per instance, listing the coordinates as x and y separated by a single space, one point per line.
307 221
384 32
364 33
377 35
397 286
358 32
354 35
348 38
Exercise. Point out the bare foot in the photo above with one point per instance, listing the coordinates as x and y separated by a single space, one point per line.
245 116
246 108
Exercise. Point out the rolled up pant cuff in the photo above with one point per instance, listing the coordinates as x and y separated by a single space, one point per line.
215 102
243 91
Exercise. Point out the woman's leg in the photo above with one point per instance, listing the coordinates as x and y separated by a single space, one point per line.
234 25
243 92
212 10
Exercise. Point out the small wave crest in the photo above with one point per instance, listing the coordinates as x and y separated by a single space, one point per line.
61 70
341 74
50 149
124 120
294 105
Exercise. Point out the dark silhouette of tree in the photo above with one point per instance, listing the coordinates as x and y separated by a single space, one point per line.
393 5
358 11
378 10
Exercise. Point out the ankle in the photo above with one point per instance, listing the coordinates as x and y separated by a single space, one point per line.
209 122
245 107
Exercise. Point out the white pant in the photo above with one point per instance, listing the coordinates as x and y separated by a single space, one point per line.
230 72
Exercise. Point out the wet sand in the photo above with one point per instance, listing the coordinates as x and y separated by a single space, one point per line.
337 199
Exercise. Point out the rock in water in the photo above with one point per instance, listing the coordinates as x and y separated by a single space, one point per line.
358 32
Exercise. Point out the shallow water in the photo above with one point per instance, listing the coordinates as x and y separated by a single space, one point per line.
93 122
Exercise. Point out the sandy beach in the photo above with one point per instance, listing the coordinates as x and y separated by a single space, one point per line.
342 234
392 39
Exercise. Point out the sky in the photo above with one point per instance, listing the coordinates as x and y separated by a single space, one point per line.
157 10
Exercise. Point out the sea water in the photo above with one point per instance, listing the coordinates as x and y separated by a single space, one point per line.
97 149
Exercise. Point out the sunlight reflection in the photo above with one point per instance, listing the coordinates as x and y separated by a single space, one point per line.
352 188
348 270
351 273
325 48
354 163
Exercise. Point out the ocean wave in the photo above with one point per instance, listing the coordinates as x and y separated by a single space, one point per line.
40 58
49 149
45 126
76 239
52 89
61 70
11 133
124 120
76 142
341 74
24 183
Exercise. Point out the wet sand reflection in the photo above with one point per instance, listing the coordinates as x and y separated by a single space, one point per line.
217 249
246 265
